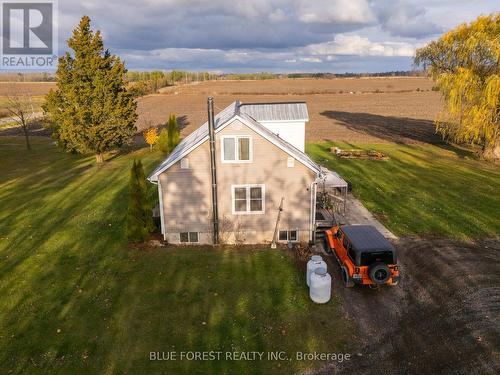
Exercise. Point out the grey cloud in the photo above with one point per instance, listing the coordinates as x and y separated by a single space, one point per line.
275 35
217 60
221 24
312 57
405 19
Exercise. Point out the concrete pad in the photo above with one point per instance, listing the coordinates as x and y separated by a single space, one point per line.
359 214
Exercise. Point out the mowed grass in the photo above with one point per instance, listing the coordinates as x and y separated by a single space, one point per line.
423 189
75 299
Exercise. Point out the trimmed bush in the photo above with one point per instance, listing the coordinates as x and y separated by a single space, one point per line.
139 217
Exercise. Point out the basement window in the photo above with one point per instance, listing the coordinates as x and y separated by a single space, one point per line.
236 149
189 237
289 235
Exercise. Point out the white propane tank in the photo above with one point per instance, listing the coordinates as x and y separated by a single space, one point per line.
321 286
315 262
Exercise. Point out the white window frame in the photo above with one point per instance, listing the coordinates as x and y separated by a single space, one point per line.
236 149
288 235
189 237
248 212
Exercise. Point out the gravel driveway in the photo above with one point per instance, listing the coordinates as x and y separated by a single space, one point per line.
442 318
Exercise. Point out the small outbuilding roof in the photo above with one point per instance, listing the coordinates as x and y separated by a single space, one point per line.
289 111
366 238
330 179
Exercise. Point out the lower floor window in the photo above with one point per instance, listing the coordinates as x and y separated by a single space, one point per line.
189 237
248 199
288 235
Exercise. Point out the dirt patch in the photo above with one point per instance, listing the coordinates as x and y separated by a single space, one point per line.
442 318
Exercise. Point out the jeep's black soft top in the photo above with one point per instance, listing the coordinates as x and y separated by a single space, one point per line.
366 239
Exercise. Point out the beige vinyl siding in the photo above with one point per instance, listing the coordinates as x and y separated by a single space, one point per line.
186 196
187 192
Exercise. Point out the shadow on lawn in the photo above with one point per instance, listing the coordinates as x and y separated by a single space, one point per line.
36 197
35 128
422 190
390 128
76 298
63 264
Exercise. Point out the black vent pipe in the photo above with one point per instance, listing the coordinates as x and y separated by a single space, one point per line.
211 135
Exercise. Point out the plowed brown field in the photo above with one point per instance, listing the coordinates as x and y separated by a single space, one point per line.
351 110
31 88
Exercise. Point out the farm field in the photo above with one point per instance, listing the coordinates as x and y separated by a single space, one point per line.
379 110
31 88
363 110
36 89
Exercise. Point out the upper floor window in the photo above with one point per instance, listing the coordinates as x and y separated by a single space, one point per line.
236 149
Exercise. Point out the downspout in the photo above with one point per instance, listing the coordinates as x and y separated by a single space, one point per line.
162 219
312 229
211 134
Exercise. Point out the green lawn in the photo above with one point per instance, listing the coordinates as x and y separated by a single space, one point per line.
423 189
75 299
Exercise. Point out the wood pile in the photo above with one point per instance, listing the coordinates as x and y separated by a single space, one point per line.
359 154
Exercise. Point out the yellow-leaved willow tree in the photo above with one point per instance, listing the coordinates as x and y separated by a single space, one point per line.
464 63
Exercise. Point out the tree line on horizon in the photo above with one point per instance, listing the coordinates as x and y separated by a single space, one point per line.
169 78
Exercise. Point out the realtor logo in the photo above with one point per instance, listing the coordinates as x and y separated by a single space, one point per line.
29 34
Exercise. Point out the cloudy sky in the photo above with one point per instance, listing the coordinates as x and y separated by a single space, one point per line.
269 35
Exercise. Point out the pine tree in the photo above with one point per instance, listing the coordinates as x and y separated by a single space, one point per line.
91 110
163 142
147 214
173 133
139 218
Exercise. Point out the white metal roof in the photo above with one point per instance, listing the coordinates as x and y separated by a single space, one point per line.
200 135
293 111
331 179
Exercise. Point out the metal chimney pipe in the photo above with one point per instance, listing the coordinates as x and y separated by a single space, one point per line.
211 135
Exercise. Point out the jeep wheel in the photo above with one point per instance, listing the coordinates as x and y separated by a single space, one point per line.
379 273
327 247
348 283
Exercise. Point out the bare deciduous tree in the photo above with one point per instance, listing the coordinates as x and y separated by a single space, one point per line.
20 107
